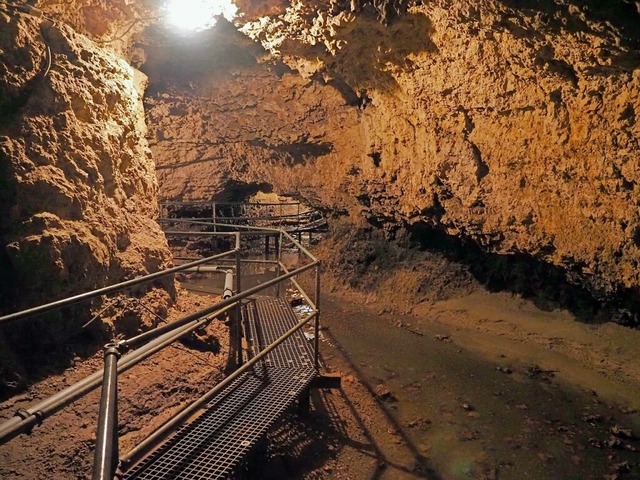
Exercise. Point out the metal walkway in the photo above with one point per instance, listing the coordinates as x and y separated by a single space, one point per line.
215 443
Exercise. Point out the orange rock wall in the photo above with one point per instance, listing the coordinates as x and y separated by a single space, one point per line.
77 187
512 124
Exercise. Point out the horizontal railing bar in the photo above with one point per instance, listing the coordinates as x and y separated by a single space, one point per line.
250 204
15 426
205 269
245 227
246 294
28 418
149 335
214 234
214 224
134 454
248 261
106 290
204 234
259 217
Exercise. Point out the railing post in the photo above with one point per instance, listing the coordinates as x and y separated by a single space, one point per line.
106 454
238 325
213 209
278 240
299 224
227 292
316 338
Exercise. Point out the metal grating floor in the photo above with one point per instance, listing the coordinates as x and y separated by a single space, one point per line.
268 319
214 444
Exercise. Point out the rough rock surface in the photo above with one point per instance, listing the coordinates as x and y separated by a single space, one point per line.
78 186
510 124
112 24
217 117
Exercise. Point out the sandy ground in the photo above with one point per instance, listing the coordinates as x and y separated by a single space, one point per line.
478 386
487 386
603 358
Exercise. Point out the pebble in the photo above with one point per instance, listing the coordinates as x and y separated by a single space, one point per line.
620 432
383 393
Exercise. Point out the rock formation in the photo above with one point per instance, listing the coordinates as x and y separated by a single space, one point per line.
78 187
509 124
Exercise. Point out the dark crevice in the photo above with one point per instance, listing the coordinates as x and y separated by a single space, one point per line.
8 288
482 169
345 90
300 152
235 191
548 286
281 69
376 157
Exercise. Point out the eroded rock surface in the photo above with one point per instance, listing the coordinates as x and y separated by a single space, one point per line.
509 124
78 186
220 117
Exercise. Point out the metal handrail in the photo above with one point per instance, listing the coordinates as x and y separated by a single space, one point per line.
26 419
242 227
12 317
253 217
311 303
106 454
134 454
227 204
152 342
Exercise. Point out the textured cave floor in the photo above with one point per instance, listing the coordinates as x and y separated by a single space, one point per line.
479 386
440 396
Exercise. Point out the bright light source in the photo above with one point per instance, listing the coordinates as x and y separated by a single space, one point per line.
198 14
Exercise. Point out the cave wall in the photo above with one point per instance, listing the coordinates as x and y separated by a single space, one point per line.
219 117
510 124
78 186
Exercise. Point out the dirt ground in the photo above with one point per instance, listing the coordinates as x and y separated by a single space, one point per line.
62 447
464 391
476 385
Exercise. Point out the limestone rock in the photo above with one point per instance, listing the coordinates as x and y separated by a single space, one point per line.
514 128
78 187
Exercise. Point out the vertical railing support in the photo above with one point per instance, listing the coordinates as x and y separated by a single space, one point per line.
106 454
227 292
238 323
213 215
278 239
316 338
298 225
